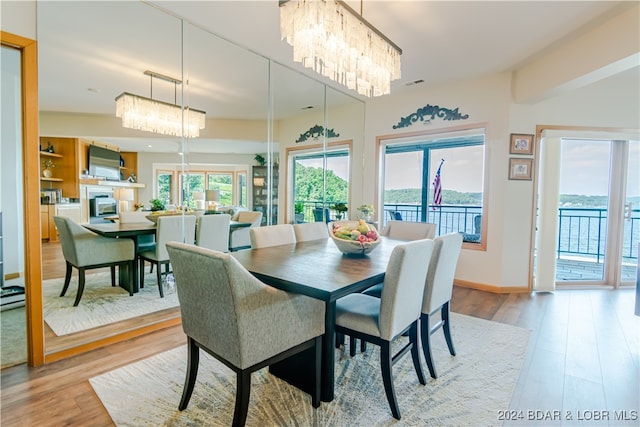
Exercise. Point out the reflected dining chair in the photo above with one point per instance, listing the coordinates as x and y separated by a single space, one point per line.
406 230
437 293
86 250
271 235
212 232
381 321
178 228
311 231
240 238
244 323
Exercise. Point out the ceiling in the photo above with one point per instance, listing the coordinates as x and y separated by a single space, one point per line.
90 52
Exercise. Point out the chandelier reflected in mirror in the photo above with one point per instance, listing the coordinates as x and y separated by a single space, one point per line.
151 115
332 39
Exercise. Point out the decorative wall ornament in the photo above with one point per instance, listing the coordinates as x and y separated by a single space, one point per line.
428 113
316 132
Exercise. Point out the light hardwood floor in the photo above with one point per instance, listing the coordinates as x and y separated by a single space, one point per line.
583 357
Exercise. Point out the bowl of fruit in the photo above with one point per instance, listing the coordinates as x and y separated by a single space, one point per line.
354 237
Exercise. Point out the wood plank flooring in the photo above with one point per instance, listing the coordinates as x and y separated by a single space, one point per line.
583 357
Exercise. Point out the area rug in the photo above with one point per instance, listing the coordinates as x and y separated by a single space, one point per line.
470 390
101 303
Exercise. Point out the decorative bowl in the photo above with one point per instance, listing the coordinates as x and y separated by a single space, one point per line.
347 246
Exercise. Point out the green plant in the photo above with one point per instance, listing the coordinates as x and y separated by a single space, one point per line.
339 207
366 209
156 205
48 164
260 159
298 208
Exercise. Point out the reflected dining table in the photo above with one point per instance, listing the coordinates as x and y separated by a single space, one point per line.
134 230
319 270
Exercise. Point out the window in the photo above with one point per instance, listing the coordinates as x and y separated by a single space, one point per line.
164 186
224 183
314 192
409 169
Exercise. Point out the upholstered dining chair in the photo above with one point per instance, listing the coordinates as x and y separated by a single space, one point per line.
310 231
271 235
212 232
240 238
169 228
437 293
86 250
406 230
381 321
145 242
244 323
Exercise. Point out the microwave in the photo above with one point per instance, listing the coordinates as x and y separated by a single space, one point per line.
103 206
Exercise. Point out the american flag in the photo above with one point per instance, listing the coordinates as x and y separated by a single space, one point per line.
437 188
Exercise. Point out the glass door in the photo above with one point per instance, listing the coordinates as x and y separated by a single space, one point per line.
598 227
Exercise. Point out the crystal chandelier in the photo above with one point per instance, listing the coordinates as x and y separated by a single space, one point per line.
332 39
148 114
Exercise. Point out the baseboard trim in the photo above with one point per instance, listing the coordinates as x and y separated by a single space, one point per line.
492 288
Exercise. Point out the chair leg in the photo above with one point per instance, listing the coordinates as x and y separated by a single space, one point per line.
159 275
193 359
352 346
67 280
80 286
363 346
315 397
130 266
339 339
386 364
113 275
243 391
445 327
415 352
426 344
151 268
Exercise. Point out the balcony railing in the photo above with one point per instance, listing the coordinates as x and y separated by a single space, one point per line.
582 231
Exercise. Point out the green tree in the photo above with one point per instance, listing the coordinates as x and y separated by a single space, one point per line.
308 185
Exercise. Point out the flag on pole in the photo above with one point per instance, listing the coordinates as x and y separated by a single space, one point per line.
437 188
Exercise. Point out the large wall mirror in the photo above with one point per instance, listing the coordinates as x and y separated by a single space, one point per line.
253 105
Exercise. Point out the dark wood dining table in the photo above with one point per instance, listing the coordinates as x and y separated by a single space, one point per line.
318 269
134 230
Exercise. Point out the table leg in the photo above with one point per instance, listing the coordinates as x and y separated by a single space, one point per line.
328 352
136 276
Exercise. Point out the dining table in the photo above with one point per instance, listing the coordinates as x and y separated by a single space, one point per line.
319 270
134 230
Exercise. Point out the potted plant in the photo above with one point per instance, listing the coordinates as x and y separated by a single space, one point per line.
340 209
299 212
366 212
156 205
47 165
260 159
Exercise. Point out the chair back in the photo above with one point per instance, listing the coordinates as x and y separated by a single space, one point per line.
240 237
235 315
310 231
69 231
406 230
403 287
442 269
174 228
320 215
212 232
127 217
254 217
272 235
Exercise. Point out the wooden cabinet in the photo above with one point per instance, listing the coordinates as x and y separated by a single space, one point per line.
44 222
66 172
261 192
71 211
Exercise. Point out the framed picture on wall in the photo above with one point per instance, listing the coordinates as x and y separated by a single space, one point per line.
520 169
521 144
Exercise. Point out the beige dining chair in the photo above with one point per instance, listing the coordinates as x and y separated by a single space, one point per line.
86 250
406 230
381 321
272 235
240 238
311 231
437 293
178 228
239 320
212 232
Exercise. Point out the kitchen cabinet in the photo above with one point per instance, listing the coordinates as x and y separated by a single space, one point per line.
66 172
71 210
44 222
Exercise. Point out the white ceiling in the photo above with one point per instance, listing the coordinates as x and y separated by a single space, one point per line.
91 51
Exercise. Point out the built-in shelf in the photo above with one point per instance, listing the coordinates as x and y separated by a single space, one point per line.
48 154
51 179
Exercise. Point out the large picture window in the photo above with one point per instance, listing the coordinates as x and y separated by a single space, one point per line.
409 183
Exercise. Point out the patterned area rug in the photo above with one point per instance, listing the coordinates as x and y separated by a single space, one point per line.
470 390
101 303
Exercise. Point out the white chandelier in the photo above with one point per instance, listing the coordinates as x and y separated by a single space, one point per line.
148 114
332 39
